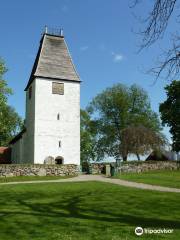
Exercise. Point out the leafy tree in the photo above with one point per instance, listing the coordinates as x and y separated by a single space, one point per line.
116 109
89 144
141 140
86 143
170 112
5 91
10 122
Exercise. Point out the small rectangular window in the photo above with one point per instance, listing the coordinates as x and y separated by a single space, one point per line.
58 88
59 144
30 92
58 116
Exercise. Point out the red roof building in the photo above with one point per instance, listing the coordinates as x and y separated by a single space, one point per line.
5 155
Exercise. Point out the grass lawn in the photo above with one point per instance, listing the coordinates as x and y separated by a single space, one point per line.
161 178
84 211
31 178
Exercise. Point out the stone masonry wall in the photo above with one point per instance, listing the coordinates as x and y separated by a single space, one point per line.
137 167
98 168
149 166
10 170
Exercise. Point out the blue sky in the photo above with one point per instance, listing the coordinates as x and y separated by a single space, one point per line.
101 36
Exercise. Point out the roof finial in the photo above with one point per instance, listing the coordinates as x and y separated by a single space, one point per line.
46 29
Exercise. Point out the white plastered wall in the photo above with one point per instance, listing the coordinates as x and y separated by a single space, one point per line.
48 130
28 145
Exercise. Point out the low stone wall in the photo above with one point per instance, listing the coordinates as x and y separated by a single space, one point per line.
98 168
137 167
10 170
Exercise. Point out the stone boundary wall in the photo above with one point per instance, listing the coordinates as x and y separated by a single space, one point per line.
12 170
149 166
137 167
98 168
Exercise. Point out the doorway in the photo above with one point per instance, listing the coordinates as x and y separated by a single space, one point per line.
59 160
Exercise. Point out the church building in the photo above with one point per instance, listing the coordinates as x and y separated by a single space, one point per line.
52 122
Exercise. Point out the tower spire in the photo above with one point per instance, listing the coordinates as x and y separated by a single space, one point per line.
46 29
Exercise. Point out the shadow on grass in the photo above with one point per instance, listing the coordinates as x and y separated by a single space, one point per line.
81 208
71 208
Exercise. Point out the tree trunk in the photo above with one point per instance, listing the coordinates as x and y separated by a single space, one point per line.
125 158
138 157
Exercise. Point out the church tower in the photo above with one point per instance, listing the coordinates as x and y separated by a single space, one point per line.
53 105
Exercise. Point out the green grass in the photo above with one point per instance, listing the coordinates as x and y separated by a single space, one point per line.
31 178
161 178
85 211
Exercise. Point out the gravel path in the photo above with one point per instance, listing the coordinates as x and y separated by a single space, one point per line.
85 178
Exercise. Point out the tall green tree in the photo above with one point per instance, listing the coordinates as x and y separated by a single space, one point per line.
170 112
10 122
89 144
5 91
118 108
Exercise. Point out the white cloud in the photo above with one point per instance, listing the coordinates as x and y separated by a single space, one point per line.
84 48
117 57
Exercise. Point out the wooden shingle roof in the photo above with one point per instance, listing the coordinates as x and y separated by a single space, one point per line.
17 137
53 60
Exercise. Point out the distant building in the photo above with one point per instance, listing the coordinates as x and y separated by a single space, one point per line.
52 122
162 156
5 155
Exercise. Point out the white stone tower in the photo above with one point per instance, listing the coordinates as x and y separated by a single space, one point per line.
52 105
